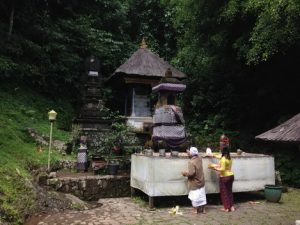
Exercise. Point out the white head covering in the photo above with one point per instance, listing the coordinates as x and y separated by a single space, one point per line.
82 146
193 151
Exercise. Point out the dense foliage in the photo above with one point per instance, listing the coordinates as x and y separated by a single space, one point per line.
241 59
50 39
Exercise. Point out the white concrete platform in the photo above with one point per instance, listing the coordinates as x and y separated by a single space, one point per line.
161 176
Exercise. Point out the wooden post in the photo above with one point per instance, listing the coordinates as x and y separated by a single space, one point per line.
151 202
132 104
132 190
50 142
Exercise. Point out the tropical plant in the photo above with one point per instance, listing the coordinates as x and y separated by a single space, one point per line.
114 141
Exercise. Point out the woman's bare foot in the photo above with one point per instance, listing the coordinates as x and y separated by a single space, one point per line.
232 209
224 210
203 210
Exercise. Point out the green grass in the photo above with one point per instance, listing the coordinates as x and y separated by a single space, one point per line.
20 109
138 200
291 199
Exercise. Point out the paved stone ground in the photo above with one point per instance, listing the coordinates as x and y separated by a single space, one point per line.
251 210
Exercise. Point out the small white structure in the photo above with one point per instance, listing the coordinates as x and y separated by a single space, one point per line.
161 176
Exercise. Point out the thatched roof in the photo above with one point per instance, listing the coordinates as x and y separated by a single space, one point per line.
146 63
288 132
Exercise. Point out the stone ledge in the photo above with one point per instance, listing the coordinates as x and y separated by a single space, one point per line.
92 187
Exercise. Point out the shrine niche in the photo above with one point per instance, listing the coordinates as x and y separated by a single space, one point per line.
133 82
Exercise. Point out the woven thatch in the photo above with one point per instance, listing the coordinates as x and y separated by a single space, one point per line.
145 63
288 132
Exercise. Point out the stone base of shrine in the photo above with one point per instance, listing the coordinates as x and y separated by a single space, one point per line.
92 187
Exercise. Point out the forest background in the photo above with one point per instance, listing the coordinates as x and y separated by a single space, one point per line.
241 59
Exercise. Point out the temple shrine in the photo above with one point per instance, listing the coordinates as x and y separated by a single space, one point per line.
168 121
91 116
158 174
133 82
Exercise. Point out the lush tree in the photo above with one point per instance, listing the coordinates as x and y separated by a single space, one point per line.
239 57
152 20
49 40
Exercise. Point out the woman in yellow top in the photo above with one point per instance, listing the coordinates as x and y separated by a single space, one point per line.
226 179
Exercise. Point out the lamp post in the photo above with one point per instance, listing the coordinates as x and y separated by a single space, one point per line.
52 117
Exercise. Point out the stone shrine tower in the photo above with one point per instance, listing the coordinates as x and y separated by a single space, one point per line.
91 113
168 122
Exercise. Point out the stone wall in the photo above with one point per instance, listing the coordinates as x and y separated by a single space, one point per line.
93 187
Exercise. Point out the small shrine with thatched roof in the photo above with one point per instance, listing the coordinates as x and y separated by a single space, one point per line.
133 82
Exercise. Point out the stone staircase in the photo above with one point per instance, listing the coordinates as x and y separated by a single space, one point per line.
86 185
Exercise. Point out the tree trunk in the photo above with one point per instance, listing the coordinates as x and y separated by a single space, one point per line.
11 20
